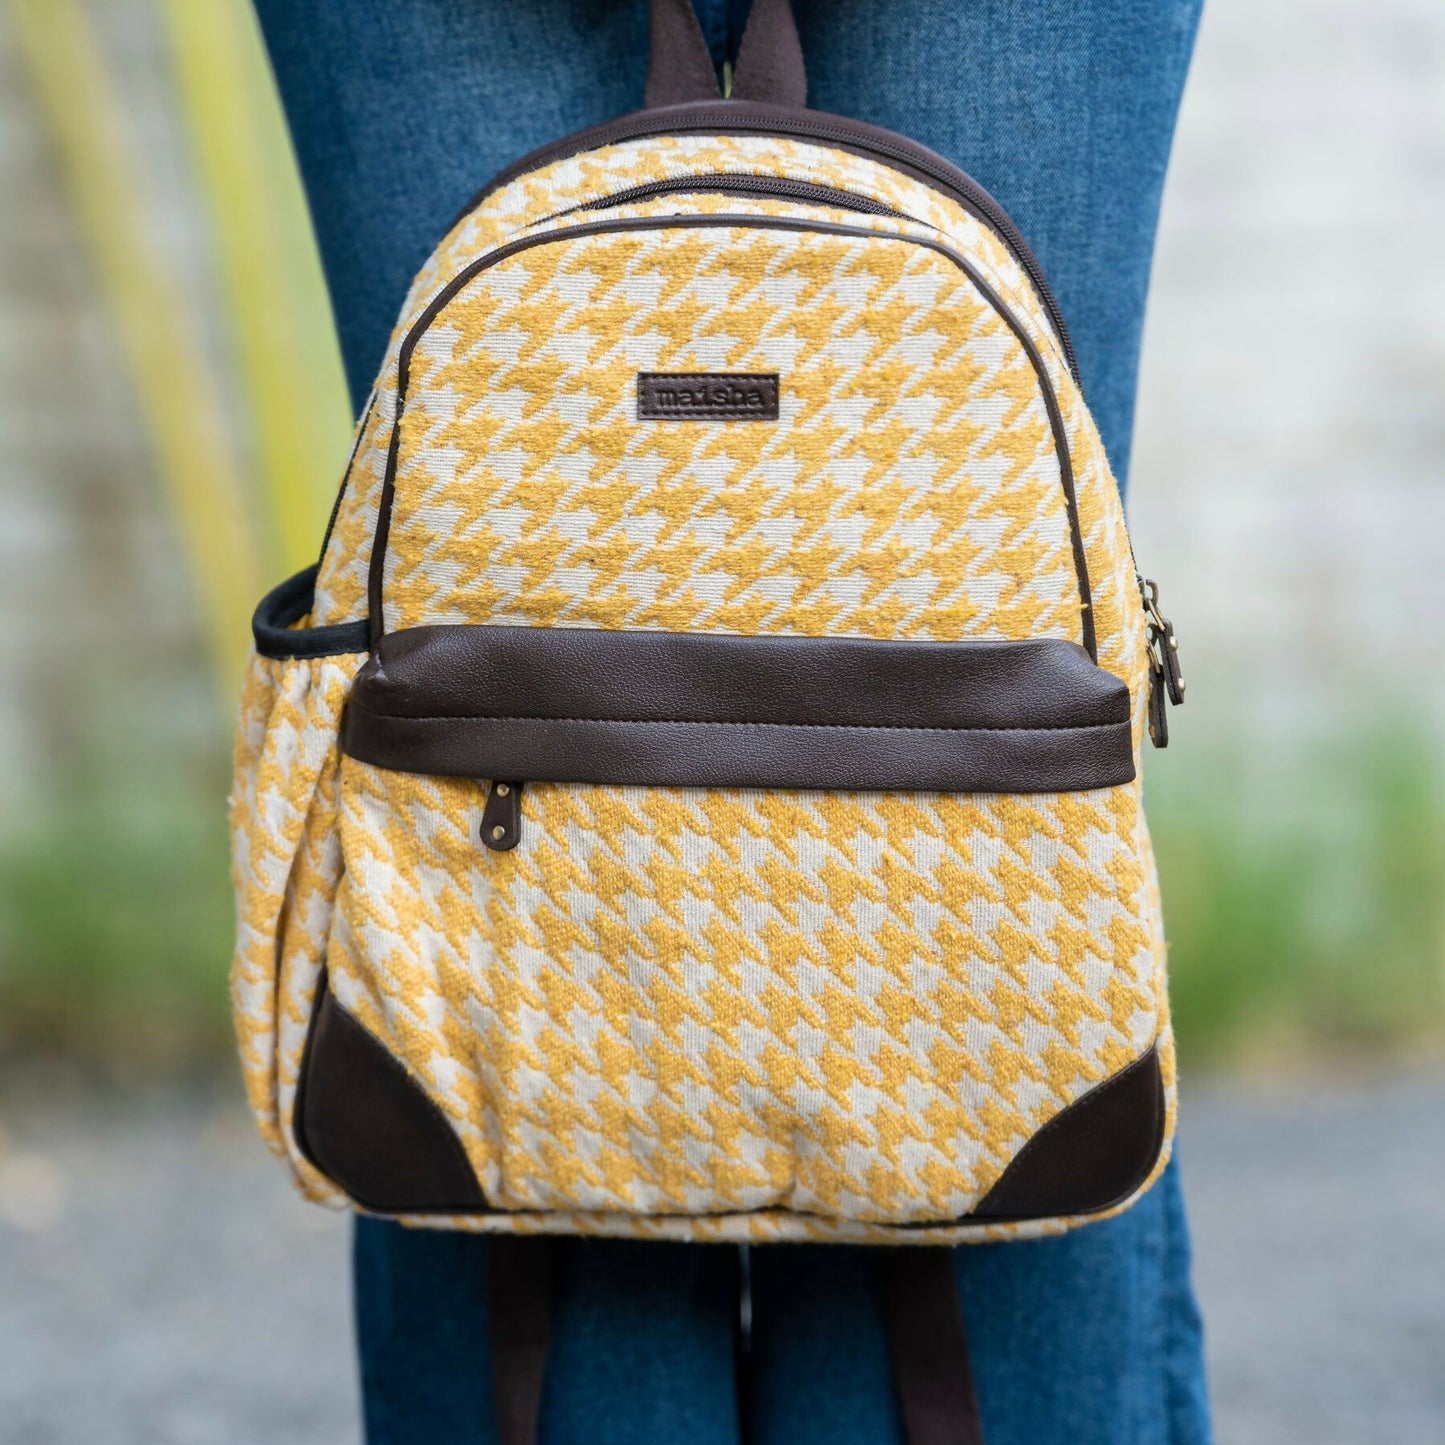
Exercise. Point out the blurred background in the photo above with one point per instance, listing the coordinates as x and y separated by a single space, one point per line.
172 424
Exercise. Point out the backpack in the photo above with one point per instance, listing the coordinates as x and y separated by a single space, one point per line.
696 794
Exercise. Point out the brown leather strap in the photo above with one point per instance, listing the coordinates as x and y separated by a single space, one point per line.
923 1322
769 65
679 67
770 57
519 1310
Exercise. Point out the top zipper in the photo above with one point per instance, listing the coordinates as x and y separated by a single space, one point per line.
767 187
753 118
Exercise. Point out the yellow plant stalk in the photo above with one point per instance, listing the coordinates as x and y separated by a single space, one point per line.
278 313
175 387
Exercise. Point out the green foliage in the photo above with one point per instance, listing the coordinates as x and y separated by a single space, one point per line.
115 928
115 917
1304 901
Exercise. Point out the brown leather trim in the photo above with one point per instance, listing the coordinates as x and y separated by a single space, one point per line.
770 223
458 670
362 1121
714 710
369 1127
922 1314
520 1288
746 755
1090 1157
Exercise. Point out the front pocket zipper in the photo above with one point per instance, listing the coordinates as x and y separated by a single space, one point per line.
725 711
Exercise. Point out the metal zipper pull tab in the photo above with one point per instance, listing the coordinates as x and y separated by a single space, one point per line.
502 817
1166 680
1161 633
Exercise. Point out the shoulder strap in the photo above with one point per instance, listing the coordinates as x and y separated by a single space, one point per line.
922 1321
927 1345
519 1316
770 57
679 65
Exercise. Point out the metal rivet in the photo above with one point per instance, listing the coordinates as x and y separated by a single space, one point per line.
499 832
502 790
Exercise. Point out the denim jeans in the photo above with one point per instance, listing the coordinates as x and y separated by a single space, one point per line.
1064 109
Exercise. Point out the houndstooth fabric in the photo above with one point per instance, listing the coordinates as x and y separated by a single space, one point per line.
712 1013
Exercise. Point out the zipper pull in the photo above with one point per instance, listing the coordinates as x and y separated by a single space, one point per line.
502 817
1166 680
1158 713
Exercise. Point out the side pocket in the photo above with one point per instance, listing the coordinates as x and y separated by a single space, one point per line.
286 857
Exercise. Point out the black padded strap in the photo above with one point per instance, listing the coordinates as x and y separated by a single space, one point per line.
923 1321
679 67
769 65
519 1312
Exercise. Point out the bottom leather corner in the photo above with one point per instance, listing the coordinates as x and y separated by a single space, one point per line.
369 1127
1090 1157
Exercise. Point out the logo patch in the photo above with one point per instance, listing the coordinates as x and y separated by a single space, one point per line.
707 396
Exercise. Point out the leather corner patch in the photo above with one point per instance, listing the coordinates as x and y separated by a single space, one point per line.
1092 1156
707 396
369 1127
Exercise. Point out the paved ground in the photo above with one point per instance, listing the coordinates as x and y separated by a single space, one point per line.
162 1287
1320 1258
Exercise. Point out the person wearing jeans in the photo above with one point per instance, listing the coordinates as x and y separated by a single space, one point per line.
400 110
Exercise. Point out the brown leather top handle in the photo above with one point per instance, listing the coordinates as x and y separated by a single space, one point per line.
770 57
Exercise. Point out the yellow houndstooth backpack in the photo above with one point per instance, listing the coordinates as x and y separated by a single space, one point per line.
696 795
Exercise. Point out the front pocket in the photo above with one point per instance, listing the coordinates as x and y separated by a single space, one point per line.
679 999
692 1001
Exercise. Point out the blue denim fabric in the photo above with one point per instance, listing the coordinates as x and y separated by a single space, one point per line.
1064 109
1091 1338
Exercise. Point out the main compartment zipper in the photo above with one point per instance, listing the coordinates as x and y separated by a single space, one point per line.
735 117
781 188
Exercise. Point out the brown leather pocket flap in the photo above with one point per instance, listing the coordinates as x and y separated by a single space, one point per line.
714 710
